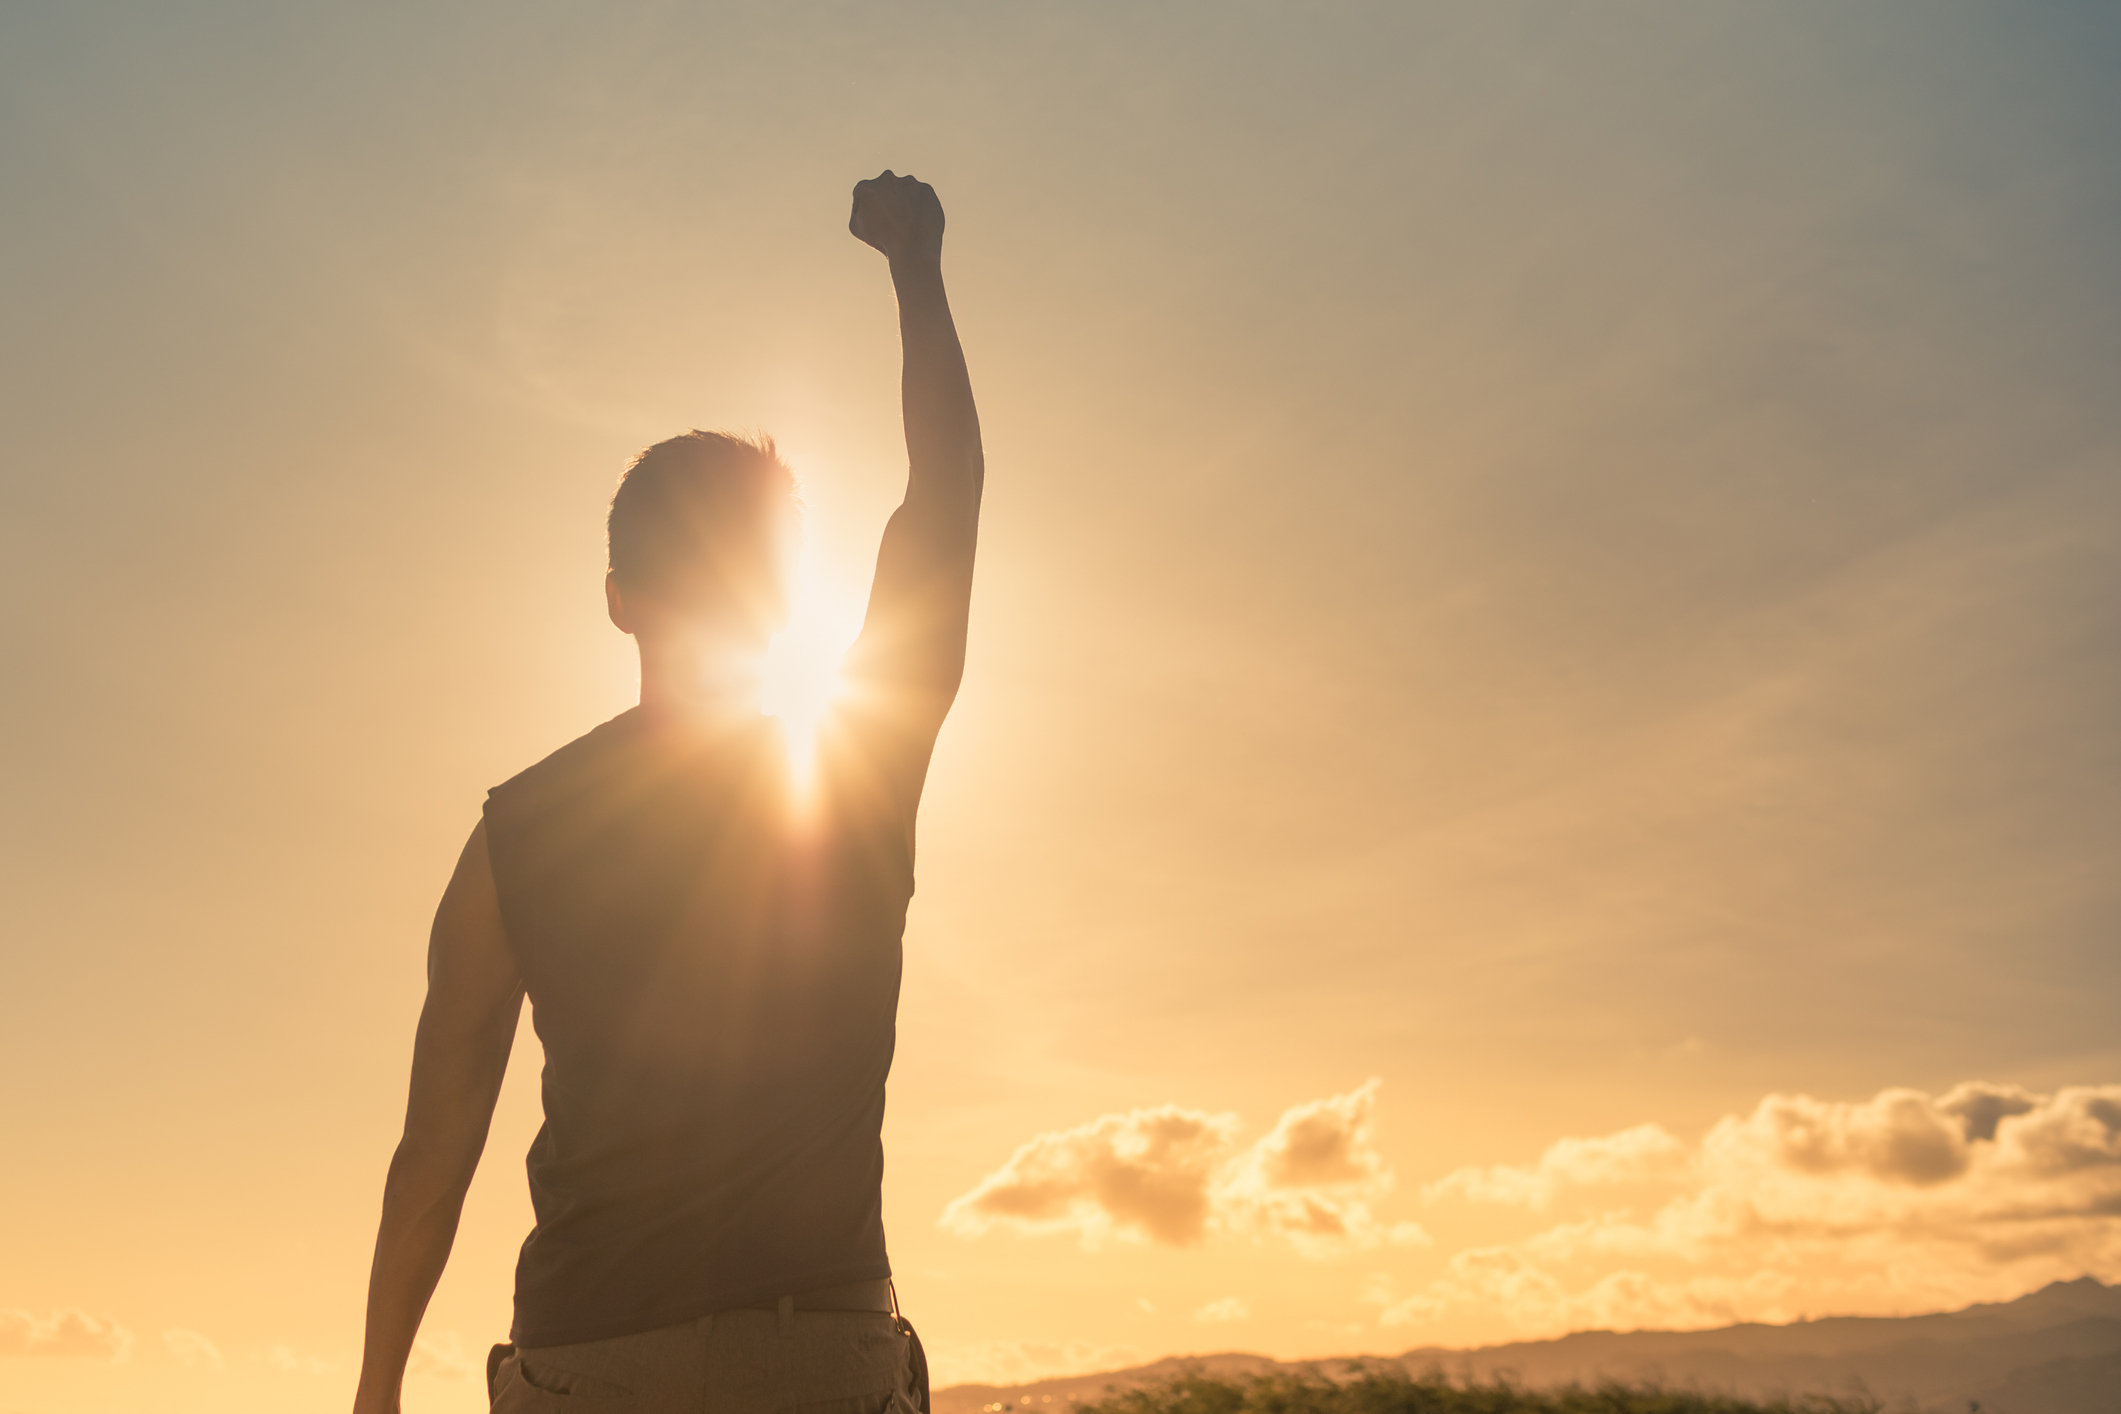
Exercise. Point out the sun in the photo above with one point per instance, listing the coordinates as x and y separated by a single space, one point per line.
801 678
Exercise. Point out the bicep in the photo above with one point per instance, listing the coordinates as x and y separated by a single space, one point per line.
912 645
468 1023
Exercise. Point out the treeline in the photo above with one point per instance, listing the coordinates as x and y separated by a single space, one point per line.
1389 1389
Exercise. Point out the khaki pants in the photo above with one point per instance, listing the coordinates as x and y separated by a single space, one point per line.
734 1362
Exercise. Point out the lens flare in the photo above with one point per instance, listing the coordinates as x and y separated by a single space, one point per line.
802 669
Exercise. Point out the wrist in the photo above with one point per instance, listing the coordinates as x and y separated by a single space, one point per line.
925 268
371 1396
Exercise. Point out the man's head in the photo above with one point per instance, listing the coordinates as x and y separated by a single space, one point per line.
703 532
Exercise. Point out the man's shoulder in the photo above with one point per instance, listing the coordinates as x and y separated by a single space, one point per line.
556 772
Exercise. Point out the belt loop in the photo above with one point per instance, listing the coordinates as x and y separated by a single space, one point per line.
786 1308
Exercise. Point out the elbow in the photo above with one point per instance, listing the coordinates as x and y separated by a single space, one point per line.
940 678
424 1174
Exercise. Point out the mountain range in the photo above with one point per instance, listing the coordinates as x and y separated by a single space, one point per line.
2054 1351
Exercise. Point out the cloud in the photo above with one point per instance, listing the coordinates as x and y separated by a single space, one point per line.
441 1355
1230 1308
1313 1178
1900 1136
1177 1177
1801 1205
1636 1155
64 1333
1902 1201
193 1350
1983 1161
287 1359
1500 1278
1144 1173
952 1362
1981 1107
1325 1144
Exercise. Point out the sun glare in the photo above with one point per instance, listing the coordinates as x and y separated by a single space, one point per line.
802 670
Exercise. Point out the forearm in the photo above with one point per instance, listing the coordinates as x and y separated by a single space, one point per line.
459 1057
423 1200
942 424
911 655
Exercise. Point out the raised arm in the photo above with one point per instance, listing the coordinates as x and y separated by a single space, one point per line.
912 646
459 1056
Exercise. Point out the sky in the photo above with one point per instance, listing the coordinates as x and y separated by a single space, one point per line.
1539 742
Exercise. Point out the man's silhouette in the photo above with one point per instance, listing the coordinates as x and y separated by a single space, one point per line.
711 950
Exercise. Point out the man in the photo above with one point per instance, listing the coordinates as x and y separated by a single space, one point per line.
710 946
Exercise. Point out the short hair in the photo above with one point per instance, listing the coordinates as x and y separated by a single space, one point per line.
702 517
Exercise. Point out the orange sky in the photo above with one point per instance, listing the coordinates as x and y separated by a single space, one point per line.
1560 561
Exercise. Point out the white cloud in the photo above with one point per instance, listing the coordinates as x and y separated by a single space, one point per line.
64 1333
1230 1308
1903 1201
193 1350
1177 1176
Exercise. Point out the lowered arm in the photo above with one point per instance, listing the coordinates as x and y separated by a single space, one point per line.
459 1055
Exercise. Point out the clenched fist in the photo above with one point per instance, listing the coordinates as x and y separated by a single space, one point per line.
900 216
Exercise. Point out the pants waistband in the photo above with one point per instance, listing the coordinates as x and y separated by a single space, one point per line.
847 1296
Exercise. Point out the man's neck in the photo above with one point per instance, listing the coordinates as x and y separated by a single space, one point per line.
682 688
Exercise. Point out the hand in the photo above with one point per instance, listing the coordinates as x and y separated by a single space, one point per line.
900 216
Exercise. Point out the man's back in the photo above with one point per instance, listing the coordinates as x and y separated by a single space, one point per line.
712 954
712 960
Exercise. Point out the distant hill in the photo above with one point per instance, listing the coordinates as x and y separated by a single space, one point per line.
2055 1351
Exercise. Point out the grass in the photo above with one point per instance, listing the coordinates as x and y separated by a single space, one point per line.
1389 1389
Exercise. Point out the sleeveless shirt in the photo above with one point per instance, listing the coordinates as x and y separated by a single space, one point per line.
712 959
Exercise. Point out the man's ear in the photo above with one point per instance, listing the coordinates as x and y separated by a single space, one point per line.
615 604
